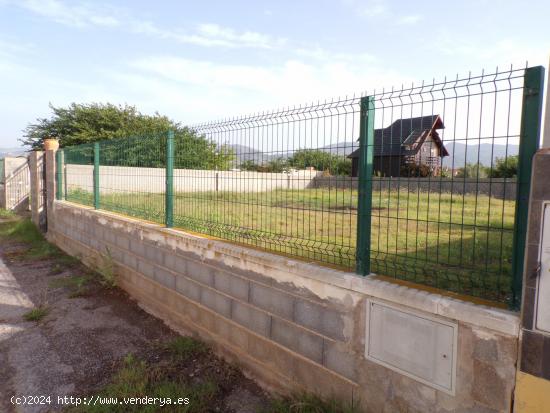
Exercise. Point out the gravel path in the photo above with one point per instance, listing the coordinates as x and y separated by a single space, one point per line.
77 346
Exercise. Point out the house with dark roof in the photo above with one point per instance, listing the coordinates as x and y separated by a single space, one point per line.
406 142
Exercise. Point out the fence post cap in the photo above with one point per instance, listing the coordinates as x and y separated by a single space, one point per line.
51 144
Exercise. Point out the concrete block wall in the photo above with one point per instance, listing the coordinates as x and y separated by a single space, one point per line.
289 324
123 179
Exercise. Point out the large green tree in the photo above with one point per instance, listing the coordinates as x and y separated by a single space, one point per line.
145 135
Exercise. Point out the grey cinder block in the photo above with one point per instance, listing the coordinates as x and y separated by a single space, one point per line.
298 339
123 242
217 302
200 272
188 288
146 269
231 285
323 320
251 318
165 278
137 247
272 300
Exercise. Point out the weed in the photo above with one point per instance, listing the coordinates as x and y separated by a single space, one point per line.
183 348
107 270
136 378
36 314
308 403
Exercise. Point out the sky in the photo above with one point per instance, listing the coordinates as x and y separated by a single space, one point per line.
198 61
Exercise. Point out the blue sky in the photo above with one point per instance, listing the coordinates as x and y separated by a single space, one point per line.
196 61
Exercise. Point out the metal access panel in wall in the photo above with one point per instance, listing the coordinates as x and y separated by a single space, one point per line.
419 346
543 294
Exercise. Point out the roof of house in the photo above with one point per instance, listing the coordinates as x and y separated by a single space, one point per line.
394 139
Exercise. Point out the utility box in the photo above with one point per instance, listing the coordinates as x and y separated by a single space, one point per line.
416 345
543 294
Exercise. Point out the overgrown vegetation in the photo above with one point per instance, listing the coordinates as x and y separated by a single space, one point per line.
183 348
24 231
107 270
36 314
87 123
137 378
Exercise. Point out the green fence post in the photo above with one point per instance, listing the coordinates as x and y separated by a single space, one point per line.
169 213
59 173
528 144
96 175
364 201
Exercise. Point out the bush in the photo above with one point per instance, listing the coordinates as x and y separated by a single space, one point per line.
505 167
415 170
471 170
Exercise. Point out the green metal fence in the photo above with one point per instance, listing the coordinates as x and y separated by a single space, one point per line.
426 184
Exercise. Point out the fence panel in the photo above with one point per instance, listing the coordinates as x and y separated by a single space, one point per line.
78 184
132 176
258 187
441 188
460 130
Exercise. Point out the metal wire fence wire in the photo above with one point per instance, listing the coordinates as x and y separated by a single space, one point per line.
443 211
77 180
267 193
132 176
443 189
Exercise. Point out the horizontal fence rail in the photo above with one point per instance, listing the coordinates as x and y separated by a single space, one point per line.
423 190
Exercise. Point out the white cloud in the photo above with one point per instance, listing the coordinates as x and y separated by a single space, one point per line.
204 90
75 15
410 19
207 34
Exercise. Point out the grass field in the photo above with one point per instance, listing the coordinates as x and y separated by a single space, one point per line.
461 243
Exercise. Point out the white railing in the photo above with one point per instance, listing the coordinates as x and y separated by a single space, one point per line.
16 188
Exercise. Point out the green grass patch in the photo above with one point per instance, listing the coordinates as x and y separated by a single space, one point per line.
138 379
308 403
183 348
24 231
5 214
36 314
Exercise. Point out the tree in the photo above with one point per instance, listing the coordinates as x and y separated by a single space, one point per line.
321 161
145 135
249 165
472 170
505 167
416 170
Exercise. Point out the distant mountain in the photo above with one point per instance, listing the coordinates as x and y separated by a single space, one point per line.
12 152
461 153
340 148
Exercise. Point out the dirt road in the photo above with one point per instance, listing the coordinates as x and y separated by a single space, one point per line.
82 332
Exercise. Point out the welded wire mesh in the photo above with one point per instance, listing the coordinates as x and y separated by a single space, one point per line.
280 181
77 179
445 158
132 176
444 191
